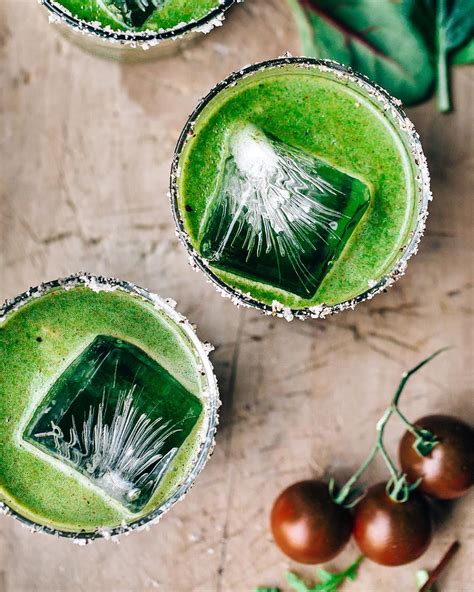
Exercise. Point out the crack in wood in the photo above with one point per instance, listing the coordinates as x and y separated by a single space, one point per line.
228 450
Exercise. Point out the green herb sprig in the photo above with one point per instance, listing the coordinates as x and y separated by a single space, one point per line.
330 582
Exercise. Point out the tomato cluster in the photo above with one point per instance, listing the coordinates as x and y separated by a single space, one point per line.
310 526
311 521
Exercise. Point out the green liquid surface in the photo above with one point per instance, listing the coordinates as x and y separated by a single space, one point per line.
45 349
329 126
140 15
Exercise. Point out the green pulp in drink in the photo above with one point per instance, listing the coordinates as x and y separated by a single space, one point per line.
295 187
140 15
101 408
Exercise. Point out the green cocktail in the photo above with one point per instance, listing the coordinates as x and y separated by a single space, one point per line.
115 28
299 187
108 407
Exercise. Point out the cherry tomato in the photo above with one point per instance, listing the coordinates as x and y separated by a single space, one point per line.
307 525
389 532
448 471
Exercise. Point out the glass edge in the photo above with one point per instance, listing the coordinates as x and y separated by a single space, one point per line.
101 283
422 188
140 37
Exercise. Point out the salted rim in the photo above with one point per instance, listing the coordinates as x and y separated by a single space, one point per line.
142 38
212 401
406 128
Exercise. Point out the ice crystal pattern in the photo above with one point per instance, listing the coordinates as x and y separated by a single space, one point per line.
124 457
277 211
279 215
116 416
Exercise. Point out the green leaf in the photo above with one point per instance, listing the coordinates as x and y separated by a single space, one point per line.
447 26
296 583
331 582
464 55
263 589
407 6
459 23
324 575
352 571
374 37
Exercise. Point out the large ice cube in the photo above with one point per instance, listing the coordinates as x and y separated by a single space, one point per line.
279 215
116 416
134 12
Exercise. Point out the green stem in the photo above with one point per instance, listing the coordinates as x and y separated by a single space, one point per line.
442 83
380 433
396 398
410 427
342 495
345 490
407 375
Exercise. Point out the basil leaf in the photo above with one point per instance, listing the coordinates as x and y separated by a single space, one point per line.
374 37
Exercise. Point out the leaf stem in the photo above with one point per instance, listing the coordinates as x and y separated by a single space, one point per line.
442 83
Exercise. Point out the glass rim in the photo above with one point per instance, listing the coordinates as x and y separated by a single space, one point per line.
99 283
140 37
404 127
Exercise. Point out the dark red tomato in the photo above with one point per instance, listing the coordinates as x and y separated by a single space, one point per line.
307 525
448 471
389 532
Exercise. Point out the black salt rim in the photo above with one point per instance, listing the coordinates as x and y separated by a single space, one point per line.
422 182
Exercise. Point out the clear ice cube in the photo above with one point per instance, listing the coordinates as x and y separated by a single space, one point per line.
117 417
280 215
134 12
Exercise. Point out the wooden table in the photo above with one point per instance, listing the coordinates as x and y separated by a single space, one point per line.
86 146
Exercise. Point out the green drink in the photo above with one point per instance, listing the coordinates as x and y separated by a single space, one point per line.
299 187
108 407
116 28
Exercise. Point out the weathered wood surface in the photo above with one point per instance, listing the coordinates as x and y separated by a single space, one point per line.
85 155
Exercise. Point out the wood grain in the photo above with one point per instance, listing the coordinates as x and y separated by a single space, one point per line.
86 146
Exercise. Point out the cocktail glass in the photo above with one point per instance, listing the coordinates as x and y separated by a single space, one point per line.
113 439
131 46
222 240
